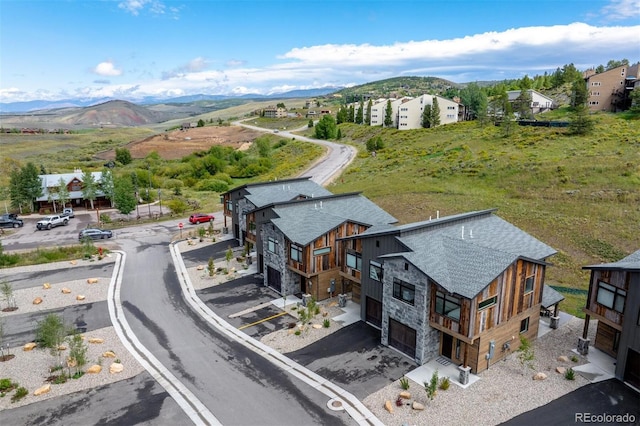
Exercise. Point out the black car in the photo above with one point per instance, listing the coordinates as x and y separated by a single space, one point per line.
95 234
10 221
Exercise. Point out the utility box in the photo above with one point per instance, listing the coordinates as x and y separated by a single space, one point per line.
342 300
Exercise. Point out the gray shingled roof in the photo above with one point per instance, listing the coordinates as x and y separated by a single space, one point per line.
305 221
467 265
630 263
274 192
550 297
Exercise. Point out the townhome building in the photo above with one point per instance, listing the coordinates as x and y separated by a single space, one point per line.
49 201
614 301
410 113
302 242
464 287
274 112
610 90
378 108
240 202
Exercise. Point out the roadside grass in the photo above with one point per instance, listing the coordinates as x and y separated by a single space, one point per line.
288 123
50 255
580 195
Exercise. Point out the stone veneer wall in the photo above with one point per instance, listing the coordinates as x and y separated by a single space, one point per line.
290 281
417 316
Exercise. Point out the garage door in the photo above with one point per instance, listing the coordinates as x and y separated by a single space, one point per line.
274 279
632 368
402 338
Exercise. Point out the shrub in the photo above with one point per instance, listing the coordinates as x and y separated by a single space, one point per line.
105 218
177 206
569 374
298 332
432 386
326 323
404 383
574 358
6 385
213 185
21 392
444 383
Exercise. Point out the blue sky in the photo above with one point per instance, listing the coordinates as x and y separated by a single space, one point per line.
128 49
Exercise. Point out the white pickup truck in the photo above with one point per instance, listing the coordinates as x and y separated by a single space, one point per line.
52 221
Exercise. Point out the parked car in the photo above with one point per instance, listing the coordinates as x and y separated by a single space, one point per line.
95 234
201 218
67 212
52 221
10 221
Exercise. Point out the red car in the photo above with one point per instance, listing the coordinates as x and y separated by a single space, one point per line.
201 218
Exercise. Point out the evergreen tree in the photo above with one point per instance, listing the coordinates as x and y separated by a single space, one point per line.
426 116
360 114
435 113
123 156
579 93
201 123
522 104
310 125
635 100
475 100
388 114
581 124
339 135
89 187
351 118
368 116
31 184
107 186
342 116
326 128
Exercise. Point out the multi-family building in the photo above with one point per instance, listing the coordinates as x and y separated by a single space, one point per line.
614 301
410 113
539 102
610 90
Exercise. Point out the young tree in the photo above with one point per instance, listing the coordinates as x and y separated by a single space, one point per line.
435 113
388 114
63 192
367 118
123 156
77 352
581 123
108 188
360 114
89 187
124 197
201 123
508 123
310 125
522 104
50 333
635 100
352 114
7 292
342 115
579 93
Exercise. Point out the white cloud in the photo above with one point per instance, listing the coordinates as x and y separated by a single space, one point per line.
622 9
107 69
134 7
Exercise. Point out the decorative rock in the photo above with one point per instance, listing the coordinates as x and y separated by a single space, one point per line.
37 301
42 390
71 362
405 395
200 267
417 406
46 286
28 347
92 280
62 348
563 358
561 370
116 368
539 376
66 290
80 297
388 406
316 326
74 262
109 354
96 340
94 369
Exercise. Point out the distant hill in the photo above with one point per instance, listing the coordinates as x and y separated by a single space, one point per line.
398 86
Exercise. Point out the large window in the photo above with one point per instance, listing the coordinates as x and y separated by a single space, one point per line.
448 305
296 253
375 271
611 297
272 244
354 261
404 291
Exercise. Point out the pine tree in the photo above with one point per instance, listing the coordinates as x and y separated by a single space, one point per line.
368 117
360 114
89 187
388 114
435 113
426 116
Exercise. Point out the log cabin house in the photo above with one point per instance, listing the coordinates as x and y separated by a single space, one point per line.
614 300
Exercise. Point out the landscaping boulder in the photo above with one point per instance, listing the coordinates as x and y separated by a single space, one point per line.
92 280
109 354
561 370
388 406
46 286
116 368
42 390
80 297
405 395
539 376
417 406
563 358
37 301
28 347
66 290
96 340
94 369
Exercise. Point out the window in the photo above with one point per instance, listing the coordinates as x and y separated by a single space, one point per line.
296 253
448 305
320 252
272 245
375 271
487 303
229 205
611 297
528 283
354 261
524 325
404 291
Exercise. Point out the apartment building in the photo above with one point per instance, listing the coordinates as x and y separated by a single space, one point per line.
610 90
410 112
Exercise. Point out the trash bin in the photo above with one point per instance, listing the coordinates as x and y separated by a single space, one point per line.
342 300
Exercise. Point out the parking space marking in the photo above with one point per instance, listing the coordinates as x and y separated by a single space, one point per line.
262 320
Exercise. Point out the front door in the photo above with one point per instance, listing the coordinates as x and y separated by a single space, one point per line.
274 279
632 368
447 343
374 312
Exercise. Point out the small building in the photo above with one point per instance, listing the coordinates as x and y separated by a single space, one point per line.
614 301
49 201
274 112
539 102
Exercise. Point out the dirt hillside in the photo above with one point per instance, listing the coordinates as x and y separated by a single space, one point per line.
179 143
